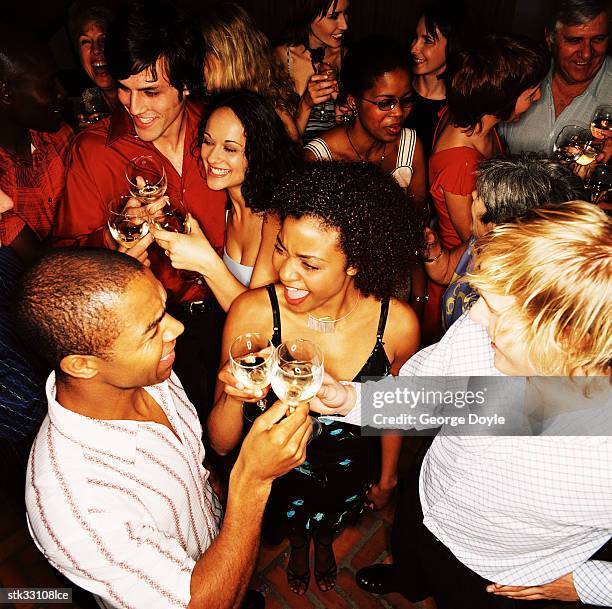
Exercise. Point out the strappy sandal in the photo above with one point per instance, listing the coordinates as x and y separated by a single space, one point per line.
298 582
326 579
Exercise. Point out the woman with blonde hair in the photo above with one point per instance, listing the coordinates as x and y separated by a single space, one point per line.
239 56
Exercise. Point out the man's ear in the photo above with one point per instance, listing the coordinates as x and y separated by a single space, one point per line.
80 366
550 38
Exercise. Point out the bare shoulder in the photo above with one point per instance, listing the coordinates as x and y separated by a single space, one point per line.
402 325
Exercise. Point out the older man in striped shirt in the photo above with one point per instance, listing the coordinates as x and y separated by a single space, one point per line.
117 495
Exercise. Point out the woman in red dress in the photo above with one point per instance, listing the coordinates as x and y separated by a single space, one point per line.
496 81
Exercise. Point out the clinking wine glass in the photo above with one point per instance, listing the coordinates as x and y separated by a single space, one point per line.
147 178
576 144
600 183
128 225
297 374
601 123
251 357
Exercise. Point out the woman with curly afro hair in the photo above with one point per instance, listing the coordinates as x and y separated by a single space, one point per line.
246 151
343 255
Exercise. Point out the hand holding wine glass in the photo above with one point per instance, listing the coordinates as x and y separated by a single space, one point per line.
128 225
576 144
601 123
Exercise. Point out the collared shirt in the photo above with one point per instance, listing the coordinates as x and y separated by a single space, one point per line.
36 188
123 508
22 376
96 174
520 511
537 129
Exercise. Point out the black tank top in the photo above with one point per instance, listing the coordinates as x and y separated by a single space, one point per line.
376 365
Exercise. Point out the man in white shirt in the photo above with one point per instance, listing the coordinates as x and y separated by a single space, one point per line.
117 496
492 521
580 79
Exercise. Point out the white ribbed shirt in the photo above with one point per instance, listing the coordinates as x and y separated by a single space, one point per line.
123 508
519 511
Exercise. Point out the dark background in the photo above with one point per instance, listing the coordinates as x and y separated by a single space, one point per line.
396 18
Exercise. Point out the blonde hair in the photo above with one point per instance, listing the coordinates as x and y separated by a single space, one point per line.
557 263
245 57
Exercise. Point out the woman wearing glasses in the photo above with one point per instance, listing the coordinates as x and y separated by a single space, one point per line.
496 81
377 83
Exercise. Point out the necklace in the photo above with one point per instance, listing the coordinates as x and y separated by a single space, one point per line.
325 325
361 158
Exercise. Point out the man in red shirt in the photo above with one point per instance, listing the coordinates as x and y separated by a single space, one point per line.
155 55
33 142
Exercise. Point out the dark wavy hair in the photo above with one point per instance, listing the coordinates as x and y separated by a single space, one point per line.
303 13
269 151
450 18
156 29
379 230
489 77
369 59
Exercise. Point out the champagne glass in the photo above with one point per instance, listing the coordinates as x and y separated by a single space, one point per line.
576 144
128 225
147 178
599 183
251 357
297 374
601 123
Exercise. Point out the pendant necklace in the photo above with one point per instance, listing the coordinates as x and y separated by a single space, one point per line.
325 325
361 158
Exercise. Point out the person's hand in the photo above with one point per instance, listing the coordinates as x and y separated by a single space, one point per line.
236 389
433 247
320 88
606 154
275 445
333 398
561 589
189 252
379 495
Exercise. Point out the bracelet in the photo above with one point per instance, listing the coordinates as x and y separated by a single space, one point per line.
430 260
424 298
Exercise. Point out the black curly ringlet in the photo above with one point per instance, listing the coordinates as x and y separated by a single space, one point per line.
379 229
269 151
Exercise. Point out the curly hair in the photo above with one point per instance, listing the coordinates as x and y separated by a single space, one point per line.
379 230
245 58
269 151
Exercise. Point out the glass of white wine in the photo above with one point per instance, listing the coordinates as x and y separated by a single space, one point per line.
601 123
297 374
147 178
576 144
128 225
171 217
251 357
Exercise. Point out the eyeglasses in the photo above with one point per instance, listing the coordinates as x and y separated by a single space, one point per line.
390 102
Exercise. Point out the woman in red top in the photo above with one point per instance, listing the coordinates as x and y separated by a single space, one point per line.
496 81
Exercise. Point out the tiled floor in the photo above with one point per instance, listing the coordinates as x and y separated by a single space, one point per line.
21 565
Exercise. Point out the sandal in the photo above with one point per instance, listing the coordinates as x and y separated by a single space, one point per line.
325 578
299 582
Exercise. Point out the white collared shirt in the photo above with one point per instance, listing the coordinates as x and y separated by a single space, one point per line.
123 508
520 511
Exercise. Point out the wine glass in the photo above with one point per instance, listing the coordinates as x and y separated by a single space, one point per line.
601 123
147 178
297 374
128 225
251 357
576 144
599 183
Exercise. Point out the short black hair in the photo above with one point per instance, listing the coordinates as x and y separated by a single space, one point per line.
489 77
370 58
144 32
65 303
450 18
19 52
380 230
269 151
511 186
